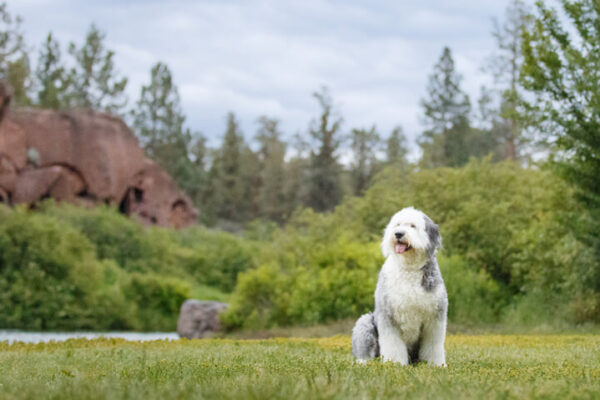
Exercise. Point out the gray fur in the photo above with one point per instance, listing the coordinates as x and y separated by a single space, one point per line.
365 341
435 239
431 275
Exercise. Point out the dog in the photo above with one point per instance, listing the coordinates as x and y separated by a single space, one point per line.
411 303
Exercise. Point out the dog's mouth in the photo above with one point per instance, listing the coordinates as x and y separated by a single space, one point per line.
402 247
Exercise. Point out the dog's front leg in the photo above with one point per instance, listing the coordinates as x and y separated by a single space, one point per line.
391 346
432 342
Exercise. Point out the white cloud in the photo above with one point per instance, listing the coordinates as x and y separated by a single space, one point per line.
267 57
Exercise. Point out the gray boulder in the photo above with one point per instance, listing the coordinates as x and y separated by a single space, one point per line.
199 319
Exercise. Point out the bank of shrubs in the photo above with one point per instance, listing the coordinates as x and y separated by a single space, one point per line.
65 268
508 255
508 258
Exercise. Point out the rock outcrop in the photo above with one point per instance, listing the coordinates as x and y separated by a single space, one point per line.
84 157
199 319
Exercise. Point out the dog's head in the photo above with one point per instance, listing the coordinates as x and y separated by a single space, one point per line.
410 231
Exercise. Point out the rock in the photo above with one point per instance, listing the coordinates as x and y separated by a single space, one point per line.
155 198
84 157
199 319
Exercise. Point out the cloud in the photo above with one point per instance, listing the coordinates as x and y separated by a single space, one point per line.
267 57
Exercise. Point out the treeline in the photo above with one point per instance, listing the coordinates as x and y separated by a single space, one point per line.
273 173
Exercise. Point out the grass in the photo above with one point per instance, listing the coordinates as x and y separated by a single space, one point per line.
484 366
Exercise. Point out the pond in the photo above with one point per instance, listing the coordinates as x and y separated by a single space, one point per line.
12 336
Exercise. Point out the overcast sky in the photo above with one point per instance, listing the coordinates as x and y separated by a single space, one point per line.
267 57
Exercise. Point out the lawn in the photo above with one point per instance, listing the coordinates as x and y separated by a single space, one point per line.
479 366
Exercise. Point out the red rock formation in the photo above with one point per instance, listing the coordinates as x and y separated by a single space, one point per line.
84 157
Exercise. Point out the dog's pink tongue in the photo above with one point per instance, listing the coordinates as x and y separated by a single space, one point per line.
400 248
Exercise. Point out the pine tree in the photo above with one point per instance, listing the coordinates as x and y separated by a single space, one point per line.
325 188
506 65
226 175
446 112
271 195
14 61
396 149
94 82
50 75
364 148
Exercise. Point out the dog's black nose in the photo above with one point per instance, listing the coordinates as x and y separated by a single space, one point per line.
399 234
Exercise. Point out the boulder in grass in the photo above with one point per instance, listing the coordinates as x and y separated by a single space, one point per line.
199 319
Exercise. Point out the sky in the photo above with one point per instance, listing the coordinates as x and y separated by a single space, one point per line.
267 57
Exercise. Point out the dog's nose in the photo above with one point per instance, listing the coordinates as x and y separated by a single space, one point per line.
399 234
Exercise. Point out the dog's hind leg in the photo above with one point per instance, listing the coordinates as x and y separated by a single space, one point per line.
365 344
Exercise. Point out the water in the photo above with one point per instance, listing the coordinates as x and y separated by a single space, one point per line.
11 336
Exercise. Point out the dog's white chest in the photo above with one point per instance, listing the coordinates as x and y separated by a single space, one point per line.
411 305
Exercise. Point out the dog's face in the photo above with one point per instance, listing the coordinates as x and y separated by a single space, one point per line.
411 233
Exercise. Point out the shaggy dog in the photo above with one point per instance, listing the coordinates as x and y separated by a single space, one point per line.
409 322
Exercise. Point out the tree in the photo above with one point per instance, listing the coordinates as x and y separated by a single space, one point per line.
14 61
226 175
94 82
396 150
271 195
562 71
325 189
50 74
505 65
446 113
364 147
158 120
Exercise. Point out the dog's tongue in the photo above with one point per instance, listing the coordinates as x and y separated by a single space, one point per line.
401 248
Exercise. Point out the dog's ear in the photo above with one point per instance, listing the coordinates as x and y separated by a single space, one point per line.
435 239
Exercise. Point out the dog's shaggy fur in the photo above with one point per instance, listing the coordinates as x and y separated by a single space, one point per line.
409 322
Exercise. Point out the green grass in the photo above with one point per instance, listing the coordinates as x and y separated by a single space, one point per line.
484 366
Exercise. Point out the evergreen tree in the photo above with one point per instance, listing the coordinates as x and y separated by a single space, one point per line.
364 147
396 150
94 83
325 188
506 65
446 110
159 123
271 195
561 71
225 175
50 75
14 61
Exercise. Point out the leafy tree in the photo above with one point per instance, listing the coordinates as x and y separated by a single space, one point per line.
94 82
14 61
446 109
561 69
396 150
364 147
325 189
271 195
51 75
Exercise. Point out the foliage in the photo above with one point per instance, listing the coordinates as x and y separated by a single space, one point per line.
503 244
560 70
93 82
51 75
324 186
64 267
14 60
479 366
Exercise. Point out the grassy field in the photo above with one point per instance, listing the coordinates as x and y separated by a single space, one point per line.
482 366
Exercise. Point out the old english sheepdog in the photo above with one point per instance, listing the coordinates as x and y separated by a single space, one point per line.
409 321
